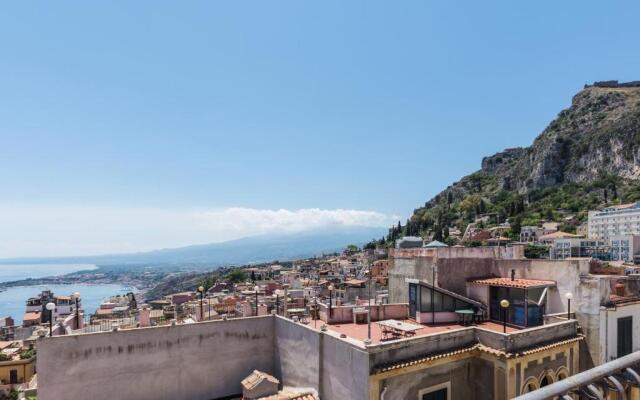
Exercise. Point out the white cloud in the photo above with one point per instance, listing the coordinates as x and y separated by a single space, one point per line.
45 230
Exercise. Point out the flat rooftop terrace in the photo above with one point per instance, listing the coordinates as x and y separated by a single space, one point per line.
359 331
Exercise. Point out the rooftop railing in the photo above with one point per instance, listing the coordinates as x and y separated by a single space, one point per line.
612 378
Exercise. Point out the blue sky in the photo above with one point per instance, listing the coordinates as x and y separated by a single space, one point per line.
146 107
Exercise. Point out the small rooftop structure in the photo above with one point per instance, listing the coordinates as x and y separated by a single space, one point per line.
435 243
259 384
409 242
514 283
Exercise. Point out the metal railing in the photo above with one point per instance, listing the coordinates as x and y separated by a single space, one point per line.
616 376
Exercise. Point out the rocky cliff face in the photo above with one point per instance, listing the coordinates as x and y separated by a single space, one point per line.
598 135
595 140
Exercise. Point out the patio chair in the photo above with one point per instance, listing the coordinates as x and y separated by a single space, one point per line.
480 315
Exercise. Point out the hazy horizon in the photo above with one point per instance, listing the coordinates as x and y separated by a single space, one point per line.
152 125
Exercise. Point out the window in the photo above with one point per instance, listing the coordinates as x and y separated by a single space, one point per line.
625 338
13 376
546 381
438 392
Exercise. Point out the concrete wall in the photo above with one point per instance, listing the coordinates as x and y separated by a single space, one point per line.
297 356
527 338
405 349
421 268
379 312
345 370
306 358
192 362
440 317
200 361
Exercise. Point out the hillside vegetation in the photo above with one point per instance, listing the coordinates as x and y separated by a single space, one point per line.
588 157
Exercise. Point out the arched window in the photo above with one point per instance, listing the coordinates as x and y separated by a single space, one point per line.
546 379
530 385
562 373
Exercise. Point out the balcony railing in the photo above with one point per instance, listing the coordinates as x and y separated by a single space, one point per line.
615 377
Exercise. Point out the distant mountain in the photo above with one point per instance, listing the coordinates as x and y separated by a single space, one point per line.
256 249
588 157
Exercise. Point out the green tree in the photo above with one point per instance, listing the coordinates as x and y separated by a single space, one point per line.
237 275
533 251
471 204
516 226
352 248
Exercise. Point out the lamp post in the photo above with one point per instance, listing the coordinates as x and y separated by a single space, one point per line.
569 296
330 290
76 297
201 290
257 289
50 307
208 307
369 308
505 306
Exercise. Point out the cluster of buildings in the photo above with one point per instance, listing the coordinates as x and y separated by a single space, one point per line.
17 366
611 234
421 322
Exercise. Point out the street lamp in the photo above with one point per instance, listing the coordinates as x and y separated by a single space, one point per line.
505 305
569 296
369 307
201 290
76 297
50 307
257 289
330 290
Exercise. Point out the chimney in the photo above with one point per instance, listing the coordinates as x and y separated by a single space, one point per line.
513 274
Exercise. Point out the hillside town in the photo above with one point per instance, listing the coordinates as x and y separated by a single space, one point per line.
420 318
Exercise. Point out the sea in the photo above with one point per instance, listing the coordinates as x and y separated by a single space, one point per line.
12 300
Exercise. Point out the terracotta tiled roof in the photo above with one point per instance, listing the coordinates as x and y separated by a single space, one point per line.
531 350
31 316
622 206
475 347
550 346
4 345
516 283
421 360
482 235
615 299
559 235
256 378
290 396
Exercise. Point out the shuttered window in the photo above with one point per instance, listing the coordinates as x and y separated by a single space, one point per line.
625 338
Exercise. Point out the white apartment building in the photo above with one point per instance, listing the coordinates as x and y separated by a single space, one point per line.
623 219
578 247
625 248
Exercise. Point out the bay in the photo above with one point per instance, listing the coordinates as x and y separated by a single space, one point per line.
13 300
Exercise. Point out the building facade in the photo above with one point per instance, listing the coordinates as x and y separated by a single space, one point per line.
623 219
